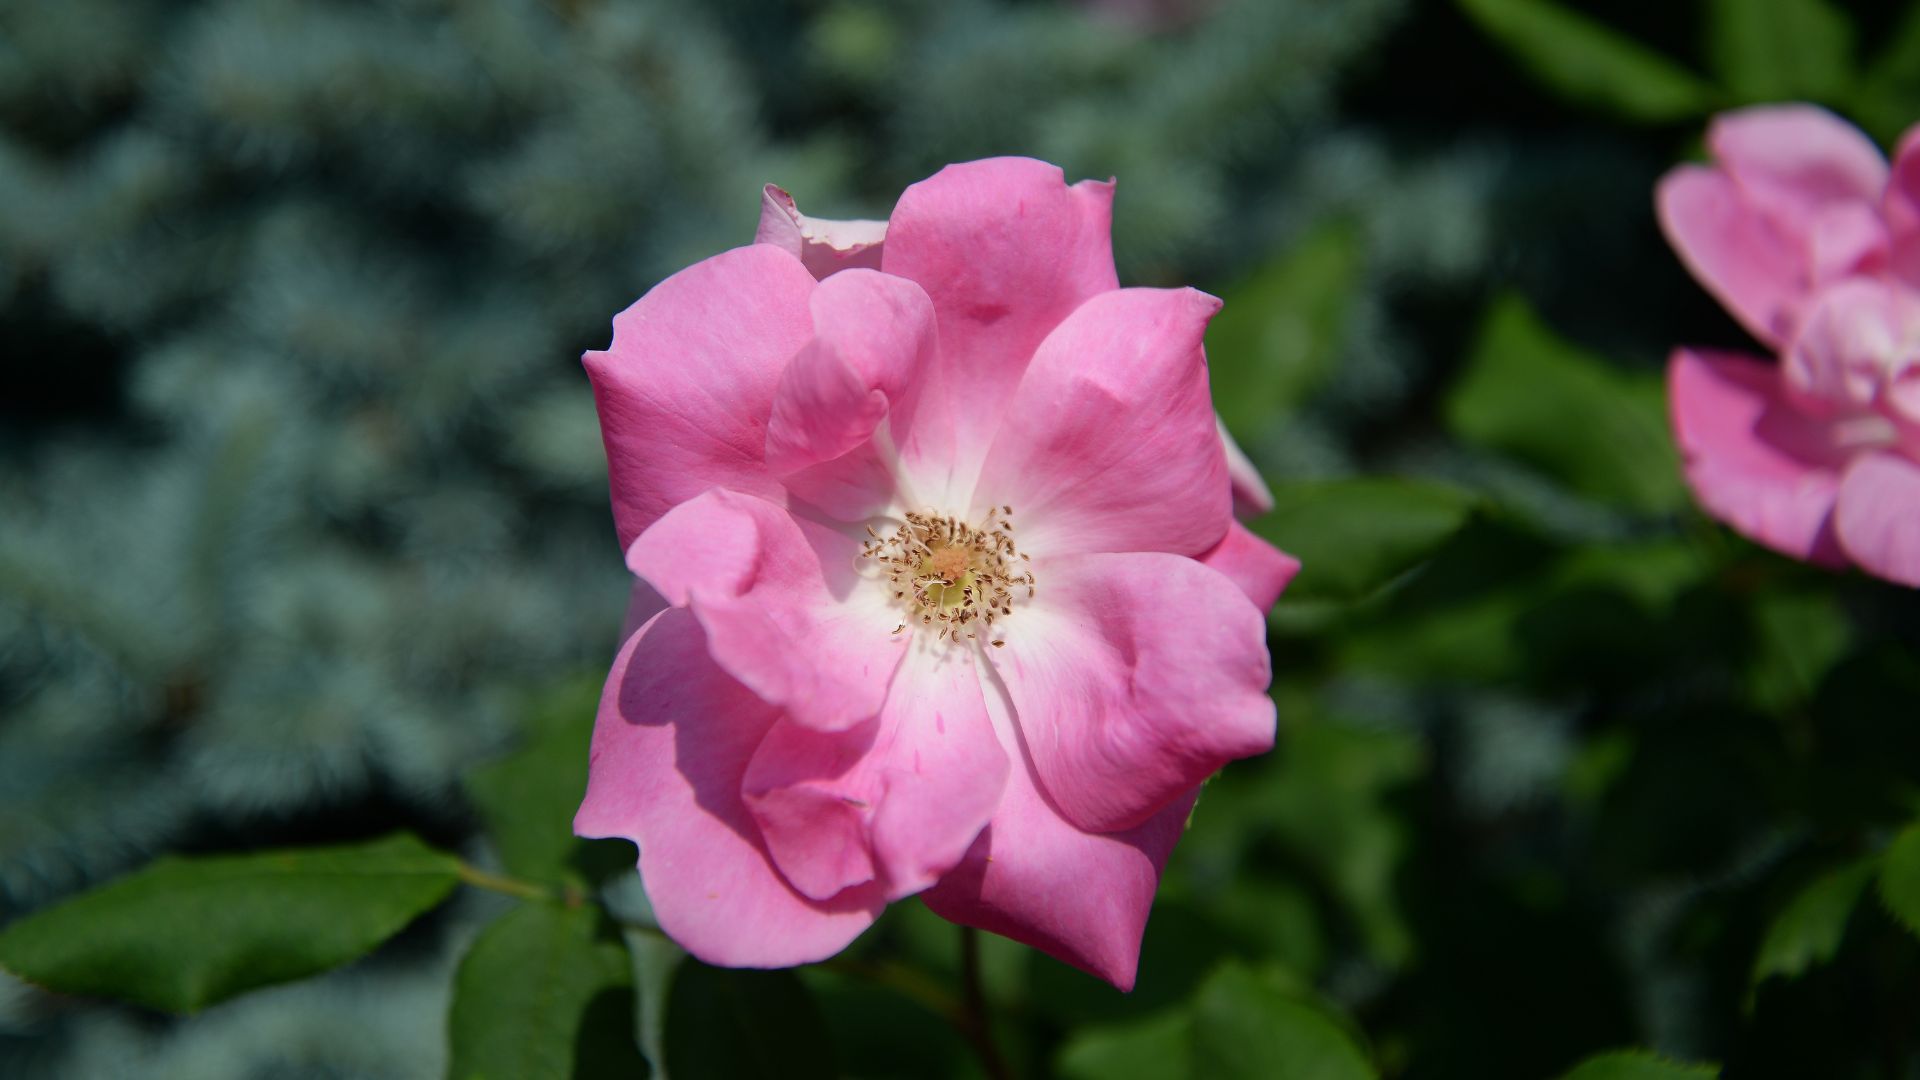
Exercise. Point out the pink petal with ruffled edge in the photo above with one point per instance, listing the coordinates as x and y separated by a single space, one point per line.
1111 443
873 334
1815 179
1878 516
1006 249
670 747
1758 273
685 389
823 246
1754 460
1134 677
1081 897
1793 159
874 342
898 801
1261 570
781 603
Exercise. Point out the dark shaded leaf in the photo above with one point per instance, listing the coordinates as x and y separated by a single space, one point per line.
1637 1065
539 996
1809 929
1601 431
1151 1048
1247 1026
1588 63
1900 877
728 1024
528 799
1781 50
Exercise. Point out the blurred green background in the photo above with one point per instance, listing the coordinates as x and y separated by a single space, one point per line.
304 534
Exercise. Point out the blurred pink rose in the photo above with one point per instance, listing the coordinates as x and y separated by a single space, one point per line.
945 593
1808 238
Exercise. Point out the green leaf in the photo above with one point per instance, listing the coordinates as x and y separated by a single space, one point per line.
1354 536
1501 603
1900 877
1151 1048
730 1024
879 1031
528 799
655 961
185 933
1592 65
1599 430
1638 1065
1781 50
1276 339
1799 636
539 995
1247 1026
1809 929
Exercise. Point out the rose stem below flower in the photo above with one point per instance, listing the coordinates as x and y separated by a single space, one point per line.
981 1027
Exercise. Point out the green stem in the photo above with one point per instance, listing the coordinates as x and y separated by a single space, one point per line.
979 1026
524 890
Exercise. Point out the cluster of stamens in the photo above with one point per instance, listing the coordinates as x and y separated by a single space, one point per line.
952 574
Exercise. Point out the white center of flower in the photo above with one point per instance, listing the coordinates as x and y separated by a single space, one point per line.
950 573
1867 432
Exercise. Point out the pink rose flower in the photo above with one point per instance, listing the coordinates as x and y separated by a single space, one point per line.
1809 239
941 588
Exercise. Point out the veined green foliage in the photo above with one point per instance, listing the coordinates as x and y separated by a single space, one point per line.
186 933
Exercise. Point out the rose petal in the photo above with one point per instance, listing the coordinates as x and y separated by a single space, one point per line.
823 246
898 800
778 599
873 334
1851 341
685 388
670 746
1134 677
874 341
1815 181
1261 570
643 603
1755 270
1845 239
1031 876
1794 158
1006 250
1754 460
1900 207
1878 516
1111 442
